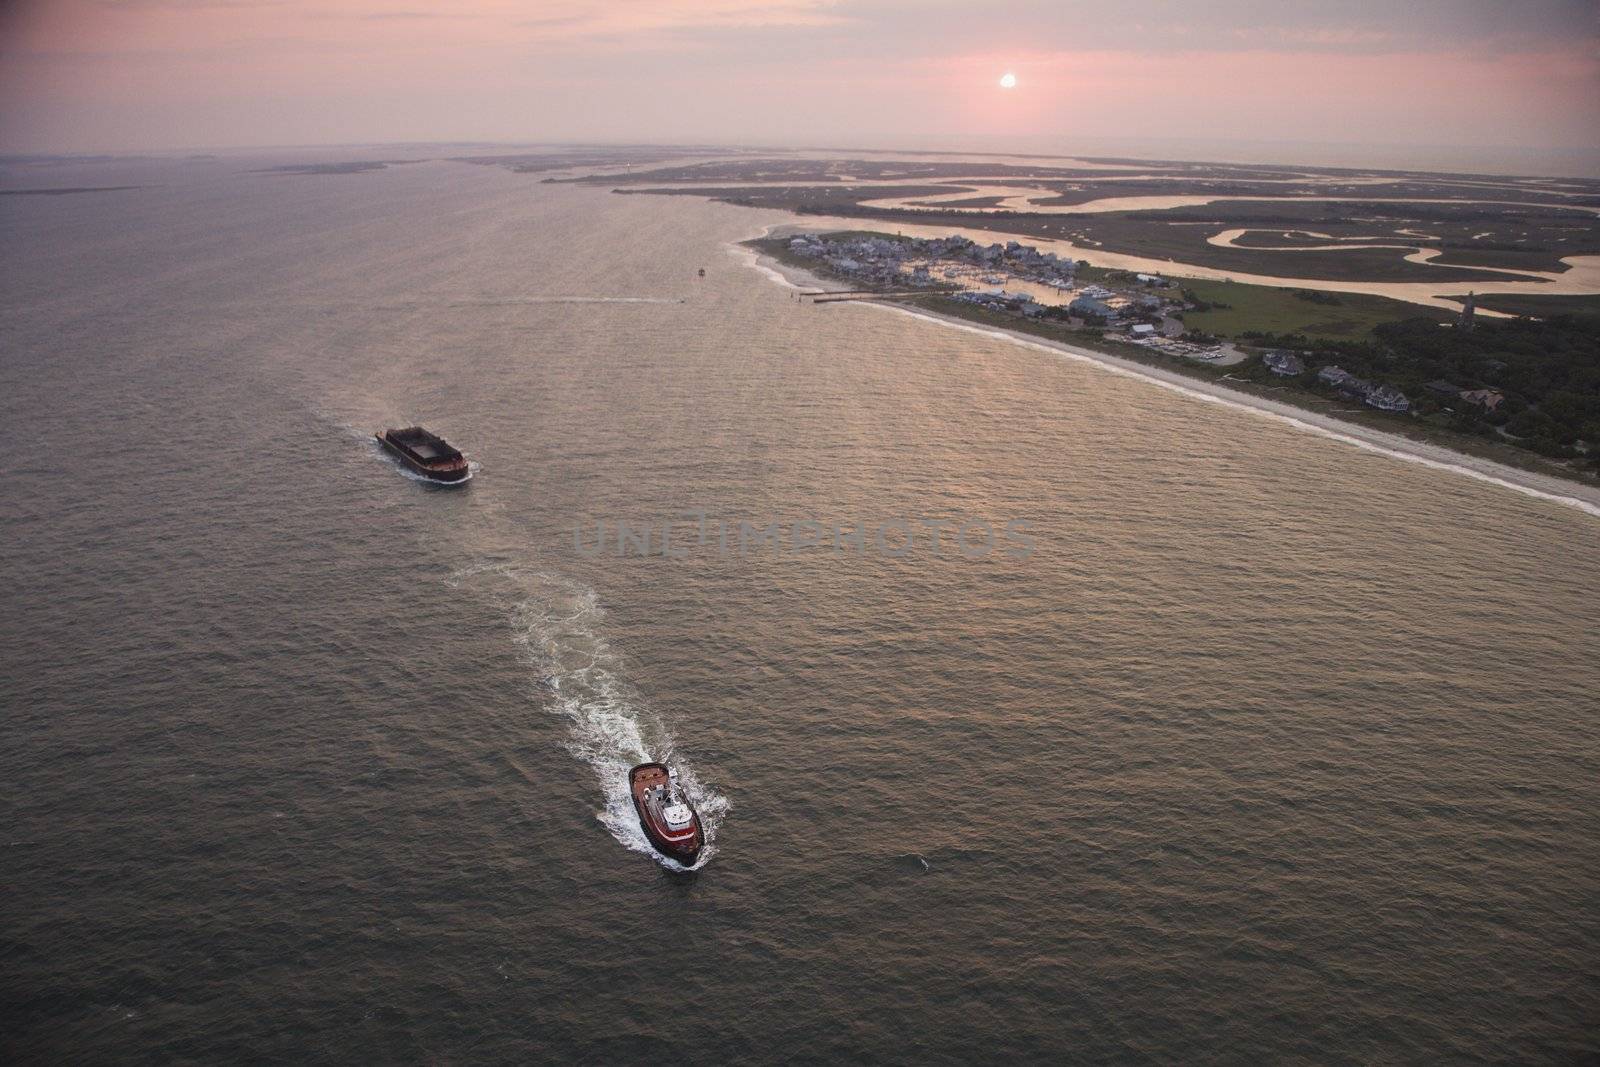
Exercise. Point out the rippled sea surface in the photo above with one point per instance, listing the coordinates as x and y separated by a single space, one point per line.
1274 750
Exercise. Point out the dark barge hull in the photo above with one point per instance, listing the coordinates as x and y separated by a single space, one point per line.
455 474
685 856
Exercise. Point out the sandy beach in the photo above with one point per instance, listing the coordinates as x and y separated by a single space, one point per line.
1556 490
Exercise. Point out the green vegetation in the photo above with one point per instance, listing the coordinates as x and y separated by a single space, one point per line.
1537 382
1234 309
1539 306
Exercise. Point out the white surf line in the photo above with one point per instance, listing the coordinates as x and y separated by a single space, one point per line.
518 301
1127 371
754 260
1155 376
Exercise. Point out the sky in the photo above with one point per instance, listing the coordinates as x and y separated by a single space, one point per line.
118 75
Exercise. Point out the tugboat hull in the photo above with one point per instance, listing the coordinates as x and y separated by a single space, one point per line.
650 785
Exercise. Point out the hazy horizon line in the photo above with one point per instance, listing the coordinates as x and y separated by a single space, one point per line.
1141 148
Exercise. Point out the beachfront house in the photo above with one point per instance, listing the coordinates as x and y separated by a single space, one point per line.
1285 363
1142 329
1344 381
1488 399
1387 398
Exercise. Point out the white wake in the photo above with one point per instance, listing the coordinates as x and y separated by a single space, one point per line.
558 627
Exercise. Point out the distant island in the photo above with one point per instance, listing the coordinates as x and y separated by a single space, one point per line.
350 167
68 190
1315 223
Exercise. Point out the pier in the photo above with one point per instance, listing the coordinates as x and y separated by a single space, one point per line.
830 296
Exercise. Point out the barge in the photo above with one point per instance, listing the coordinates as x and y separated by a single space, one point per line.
425 453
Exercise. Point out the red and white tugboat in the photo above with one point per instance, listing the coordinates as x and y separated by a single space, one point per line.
668 819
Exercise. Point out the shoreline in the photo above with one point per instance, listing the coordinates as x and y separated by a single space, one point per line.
1530 483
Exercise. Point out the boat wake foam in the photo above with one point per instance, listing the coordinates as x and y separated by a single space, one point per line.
558 627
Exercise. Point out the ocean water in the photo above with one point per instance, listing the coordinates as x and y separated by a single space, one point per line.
1270 750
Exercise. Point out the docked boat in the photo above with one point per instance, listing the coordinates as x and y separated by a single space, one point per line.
667 817
426 453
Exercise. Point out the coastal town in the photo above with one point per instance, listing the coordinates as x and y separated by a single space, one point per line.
1012 277
1017 280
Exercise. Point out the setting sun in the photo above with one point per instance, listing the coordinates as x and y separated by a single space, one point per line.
1008 81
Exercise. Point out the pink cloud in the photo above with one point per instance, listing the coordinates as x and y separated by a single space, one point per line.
170 71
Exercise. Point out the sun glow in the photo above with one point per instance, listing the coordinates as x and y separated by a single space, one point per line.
1008 81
